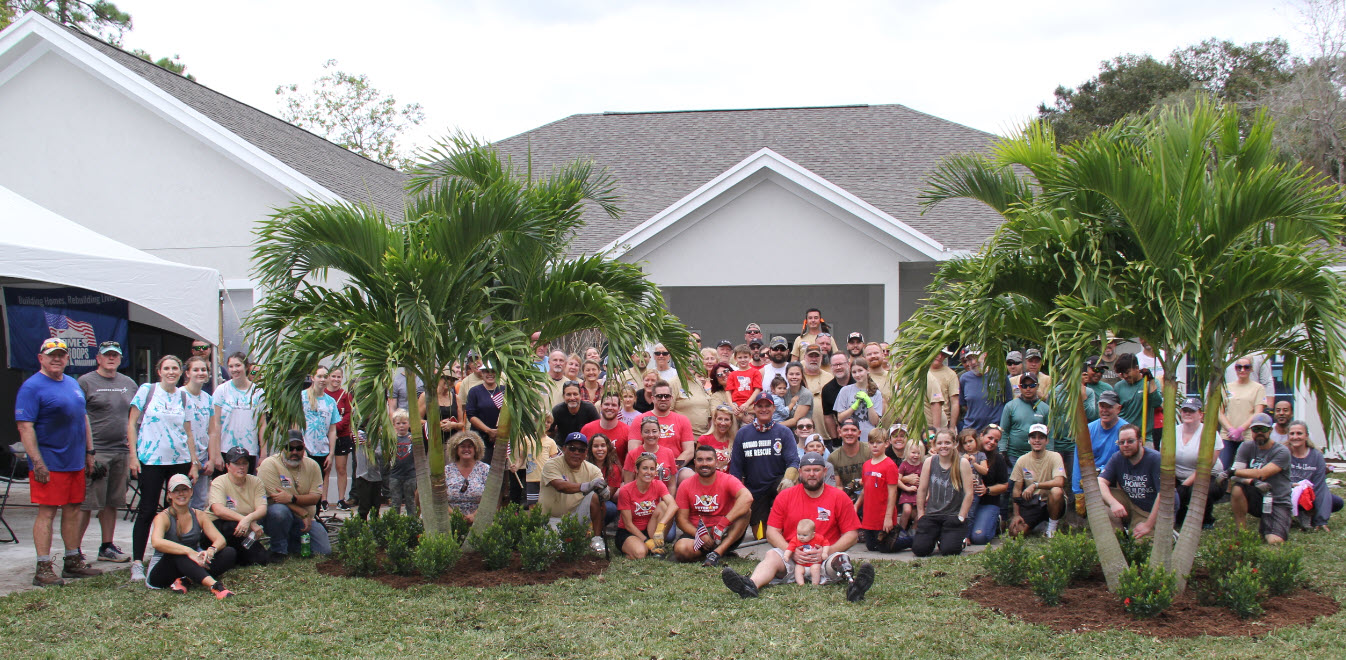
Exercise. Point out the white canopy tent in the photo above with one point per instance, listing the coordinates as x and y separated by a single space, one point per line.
39 245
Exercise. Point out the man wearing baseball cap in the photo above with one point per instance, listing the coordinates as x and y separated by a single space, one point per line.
1130 483
1032 364
765 458
836 529
753 331
1103 436
54 429
1019 415
237 503
1039 479
571 484
778 357
941 393
855 345
724 351
293 484
107 397
1261 471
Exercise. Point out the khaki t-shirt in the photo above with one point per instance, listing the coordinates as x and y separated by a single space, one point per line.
1046 469
1241 402
241 499
849 468
940 387
694 403
303 480
555 502
798 350
815 385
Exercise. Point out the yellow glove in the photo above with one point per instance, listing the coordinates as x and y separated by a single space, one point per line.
655 542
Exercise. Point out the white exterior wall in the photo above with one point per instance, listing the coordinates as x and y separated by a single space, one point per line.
85 150
763 211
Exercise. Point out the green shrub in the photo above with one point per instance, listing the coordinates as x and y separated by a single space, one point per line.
400 547
1241 590
436 553
1281 568
539 549
1137 551
495 546
1050 578
378 526
1076 550
1010 563
360 552
574 533
459 525
350 529
1146 591
1225 548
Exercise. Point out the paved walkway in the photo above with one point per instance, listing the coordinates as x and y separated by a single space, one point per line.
858 553
18 560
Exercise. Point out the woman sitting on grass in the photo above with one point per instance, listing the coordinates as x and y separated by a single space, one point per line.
176 536
638 503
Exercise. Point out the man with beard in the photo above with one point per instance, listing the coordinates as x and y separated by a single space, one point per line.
753 331
841 377
1130 483
848 461
983 407
713 512
941 393
1033 365
878 366
836 529
675 430
610 424
1106 361
1261 471
293 484
572 485
855 345
779 356
765 458
635 376
827 345
758 358
572 413
813 326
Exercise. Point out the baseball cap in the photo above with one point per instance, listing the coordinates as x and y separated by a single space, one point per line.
1260 419
753 326
850 421
1028 380
576 436
178 481
295 436
235 455
764 399
815 438
1032 353
1038 428
1014 356
897 427
779 341
812 458
854 336
109 347
725 342
813 348
948 351
970 351
52 345
1191 403
755 341
1109 397
1091 362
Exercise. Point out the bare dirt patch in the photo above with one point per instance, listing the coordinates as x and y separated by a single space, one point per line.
471 572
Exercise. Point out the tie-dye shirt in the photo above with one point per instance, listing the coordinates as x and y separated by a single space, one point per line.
162 438
317 421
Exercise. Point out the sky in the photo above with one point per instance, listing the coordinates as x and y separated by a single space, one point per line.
497 69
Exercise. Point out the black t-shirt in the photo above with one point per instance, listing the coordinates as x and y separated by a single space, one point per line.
565 423
997 471
643 405
830 392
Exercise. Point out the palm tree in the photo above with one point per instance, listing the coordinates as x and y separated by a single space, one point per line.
477 263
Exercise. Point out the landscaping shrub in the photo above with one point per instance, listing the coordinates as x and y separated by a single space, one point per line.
437 553
1009 565
400 546
1076 550
539 549
1281 568
574 534
350 529
458 524
512 522
1137 551
495 546
1241 590
378 525
1146 591
1050 578
359 551
1223 549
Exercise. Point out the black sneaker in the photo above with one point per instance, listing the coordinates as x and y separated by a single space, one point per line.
738 584
343 505
863 580
712 559
277 558
322 505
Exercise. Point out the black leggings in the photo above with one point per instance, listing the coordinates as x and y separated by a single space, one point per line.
945 529
153 480
257 554
172 567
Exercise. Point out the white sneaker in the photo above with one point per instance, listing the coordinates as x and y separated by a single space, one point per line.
597 545
137 572
1051 529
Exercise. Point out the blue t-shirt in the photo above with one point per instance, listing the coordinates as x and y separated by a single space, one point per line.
979 409
56 409
1140 481
1105 445
317 422
759 459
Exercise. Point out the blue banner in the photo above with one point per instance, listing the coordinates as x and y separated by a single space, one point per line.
84 319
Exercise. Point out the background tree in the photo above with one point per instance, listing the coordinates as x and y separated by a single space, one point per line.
349 111
171 63
100 18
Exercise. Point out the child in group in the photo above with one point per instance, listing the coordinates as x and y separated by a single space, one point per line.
911 465
969 448
745 382
803 541
629 413
402 478
368 476
778 389
877 503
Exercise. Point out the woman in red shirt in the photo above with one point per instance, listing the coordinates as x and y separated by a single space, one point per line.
639 502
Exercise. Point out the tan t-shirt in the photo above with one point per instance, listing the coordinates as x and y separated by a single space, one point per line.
695 404
242 499
940 387
1241 403
815 385
798 349
555 502
303 480
1030 470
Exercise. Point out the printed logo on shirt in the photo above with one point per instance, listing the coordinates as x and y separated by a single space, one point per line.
824 515
667 430
229 502
706 503
744 384
776 447
285 481
644 509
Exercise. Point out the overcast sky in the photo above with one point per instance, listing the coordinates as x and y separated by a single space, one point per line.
496 69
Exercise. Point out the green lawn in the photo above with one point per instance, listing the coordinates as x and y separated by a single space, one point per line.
641 609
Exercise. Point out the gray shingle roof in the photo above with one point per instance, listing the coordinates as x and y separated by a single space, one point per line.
880 154
345 173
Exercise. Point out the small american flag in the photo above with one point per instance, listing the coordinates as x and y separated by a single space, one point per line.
57 322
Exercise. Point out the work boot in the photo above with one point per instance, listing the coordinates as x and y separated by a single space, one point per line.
76 568
863 580
46 575
743 586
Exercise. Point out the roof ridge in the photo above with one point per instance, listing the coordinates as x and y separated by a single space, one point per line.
787 107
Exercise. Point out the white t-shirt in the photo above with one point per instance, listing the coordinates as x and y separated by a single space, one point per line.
769 372
317 421
240 411
1185 454
162 438
847 396
671 376
199 411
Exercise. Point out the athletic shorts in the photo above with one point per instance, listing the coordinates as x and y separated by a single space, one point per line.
1278 523
830 572
345 444
1033 511
62 488
110 491
622 535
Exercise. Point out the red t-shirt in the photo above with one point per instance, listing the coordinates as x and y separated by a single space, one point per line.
904 497
742 383
674 429
832 512
721 450
641 505
343 401
666 459
712 503
877 478
619 435
614 475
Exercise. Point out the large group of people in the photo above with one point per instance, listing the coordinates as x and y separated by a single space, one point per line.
784 442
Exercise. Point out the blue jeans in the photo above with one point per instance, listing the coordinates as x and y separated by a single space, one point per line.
985 523
284 528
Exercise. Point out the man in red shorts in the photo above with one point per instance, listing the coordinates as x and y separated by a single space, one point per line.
713 511
56 436
836 530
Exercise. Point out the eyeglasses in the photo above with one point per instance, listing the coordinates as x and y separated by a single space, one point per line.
200 347
661 352
663 396
1243 367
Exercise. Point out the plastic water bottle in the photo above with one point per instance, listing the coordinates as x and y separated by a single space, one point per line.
1266 504
249 540
305 545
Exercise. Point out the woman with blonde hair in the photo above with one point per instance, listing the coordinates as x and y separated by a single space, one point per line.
943 499
320 421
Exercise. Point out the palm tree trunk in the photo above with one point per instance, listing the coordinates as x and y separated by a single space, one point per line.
1109 550
1162 552
439 494
423 488
495 479
1190 537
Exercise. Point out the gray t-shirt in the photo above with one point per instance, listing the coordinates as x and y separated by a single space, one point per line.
1251 456
400 389
108 402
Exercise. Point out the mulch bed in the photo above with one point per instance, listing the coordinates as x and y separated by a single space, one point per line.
471 572
1089 606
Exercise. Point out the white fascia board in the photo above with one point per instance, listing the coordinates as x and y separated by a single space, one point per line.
765 158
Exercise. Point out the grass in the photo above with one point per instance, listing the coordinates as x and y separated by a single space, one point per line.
636 609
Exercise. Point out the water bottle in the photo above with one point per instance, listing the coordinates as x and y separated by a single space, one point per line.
250 539
305 547
1266 504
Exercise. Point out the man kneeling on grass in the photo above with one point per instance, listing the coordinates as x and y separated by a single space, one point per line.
836 528
713 511
572 485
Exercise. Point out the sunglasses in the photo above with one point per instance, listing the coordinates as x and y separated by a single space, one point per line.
1013 363
779 348
663 396
1243 367
993 427
294 449
802 427
661 352
576 448
200 347
752 332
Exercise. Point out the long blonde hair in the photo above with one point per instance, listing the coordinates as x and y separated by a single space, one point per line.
314 390
955 465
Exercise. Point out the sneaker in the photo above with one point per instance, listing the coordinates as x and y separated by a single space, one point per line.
738 584
863 580
76 568
343 505
220 592
137 572
597 545
277 557
46 575
178 586
712 559
322 505
113 554
1051 529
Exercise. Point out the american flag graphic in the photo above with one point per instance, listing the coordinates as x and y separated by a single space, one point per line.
57 322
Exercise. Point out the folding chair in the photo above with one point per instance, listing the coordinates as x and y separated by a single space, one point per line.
19 458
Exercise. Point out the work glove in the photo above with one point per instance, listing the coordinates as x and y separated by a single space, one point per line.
655 542
864 396
586 487
785 483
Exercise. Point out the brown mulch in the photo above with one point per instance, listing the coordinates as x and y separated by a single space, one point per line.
1089 606
470 571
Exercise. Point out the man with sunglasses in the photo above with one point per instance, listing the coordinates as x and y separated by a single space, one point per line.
107 396
1260 482
1093 376
571 484
675 430
202 349
1014 367
1032 364
753 331
779 356
293 485
1021 414
663 364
